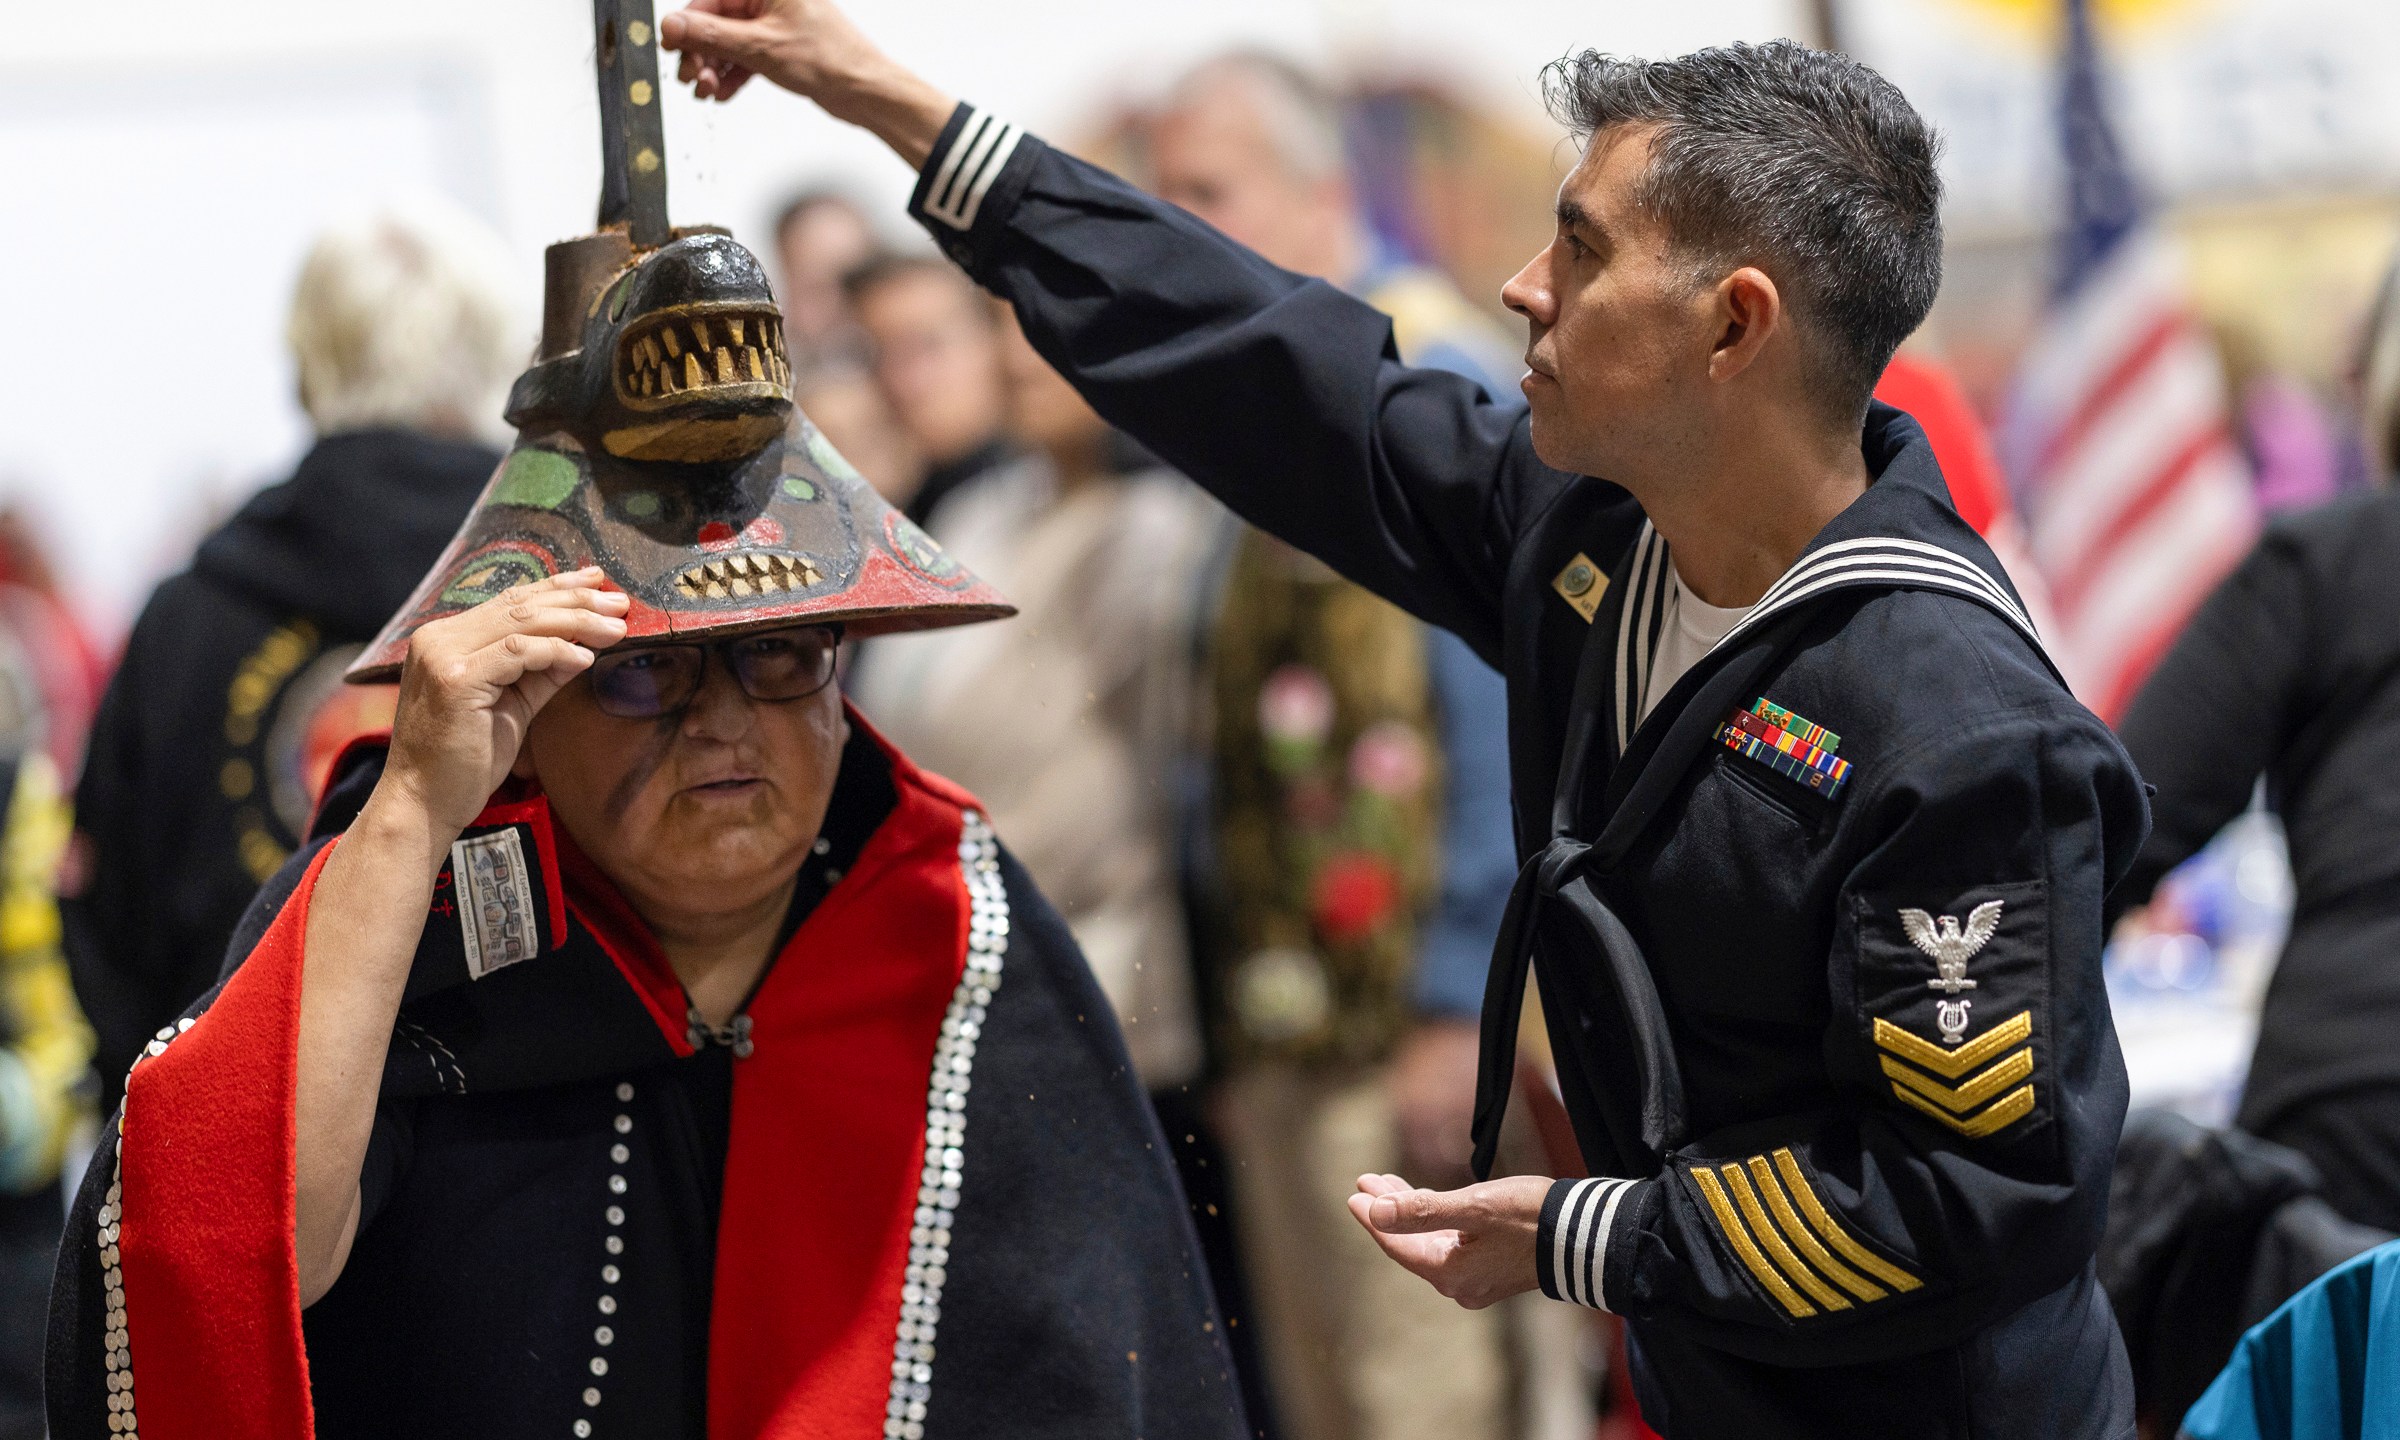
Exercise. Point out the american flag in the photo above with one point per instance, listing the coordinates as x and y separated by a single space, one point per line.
2119 437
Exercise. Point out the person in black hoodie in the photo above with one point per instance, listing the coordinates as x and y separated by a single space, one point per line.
228 707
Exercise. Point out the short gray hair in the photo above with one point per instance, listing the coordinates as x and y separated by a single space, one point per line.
1302 118
402 317
1802 161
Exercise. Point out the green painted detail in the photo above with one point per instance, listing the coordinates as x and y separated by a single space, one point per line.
641 505
537 479
922 549
829 459
486 578
798 488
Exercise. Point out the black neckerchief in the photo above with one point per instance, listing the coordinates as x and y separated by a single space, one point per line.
1900 533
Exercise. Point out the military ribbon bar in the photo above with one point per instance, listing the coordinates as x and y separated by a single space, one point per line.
1793 747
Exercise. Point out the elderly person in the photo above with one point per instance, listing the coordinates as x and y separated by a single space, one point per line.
1816 837
627 1053
209 746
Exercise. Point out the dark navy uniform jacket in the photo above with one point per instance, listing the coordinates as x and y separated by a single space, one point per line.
1817 942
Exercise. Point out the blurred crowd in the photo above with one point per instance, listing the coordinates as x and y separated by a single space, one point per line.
1271 806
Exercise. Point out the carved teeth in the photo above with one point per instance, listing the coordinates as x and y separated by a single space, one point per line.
748 574
666 360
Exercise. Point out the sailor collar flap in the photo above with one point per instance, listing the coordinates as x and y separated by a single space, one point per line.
1620 768
1900 534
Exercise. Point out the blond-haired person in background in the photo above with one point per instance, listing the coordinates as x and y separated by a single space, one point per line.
228 705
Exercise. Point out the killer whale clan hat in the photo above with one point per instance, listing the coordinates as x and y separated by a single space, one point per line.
656 437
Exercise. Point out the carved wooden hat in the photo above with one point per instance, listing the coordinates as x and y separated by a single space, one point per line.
656 437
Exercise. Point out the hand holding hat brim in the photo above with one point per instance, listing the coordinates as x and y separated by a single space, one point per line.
474 681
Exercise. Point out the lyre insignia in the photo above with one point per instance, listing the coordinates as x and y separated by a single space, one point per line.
1951 946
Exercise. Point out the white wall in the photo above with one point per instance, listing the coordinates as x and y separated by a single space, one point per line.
166 175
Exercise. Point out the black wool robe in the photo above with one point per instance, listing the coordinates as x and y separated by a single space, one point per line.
587 1215
1818 939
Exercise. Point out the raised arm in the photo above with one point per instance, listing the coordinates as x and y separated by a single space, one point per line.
472 686
1280 394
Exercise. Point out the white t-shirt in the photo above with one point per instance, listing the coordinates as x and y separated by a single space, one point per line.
1693 628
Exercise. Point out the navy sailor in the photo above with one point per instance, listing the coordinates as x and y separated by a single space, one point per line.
1815 837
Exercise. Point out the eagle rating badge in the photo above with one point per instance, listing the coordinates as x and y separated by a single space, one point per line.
1951 946
1980 1086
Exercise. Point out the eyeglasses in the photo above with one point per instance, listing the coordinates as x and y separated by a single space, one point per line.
648 681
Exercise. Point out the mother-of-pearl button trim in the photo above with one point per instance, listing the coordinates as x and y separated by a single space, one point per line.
116 1337
946 1133
605 1334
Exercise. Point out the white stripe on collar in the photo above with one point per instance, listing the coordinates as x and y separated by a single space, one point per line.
1909 562
968 168
1879 557
1637 632
1886 548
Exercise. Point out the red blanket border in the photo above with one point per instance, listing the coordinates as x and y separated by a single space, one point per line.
821 1178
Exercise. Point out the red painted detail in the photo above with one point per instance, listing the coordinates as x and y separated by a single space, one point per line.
716 535
765 530
887 595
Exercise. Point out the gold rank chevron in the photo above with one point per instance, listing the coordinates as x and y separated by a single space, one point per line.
1950 1103
1784 1236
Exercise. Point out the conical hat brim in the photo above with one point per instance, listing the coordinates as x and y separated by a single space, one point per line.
793 535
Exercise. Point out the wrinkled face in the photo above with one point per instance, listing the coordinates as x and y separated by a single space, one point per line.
708 810
1619 334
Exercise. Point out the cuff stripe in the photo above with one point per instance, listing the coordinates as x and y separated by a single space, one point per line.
1596 1275
975 159
1562 1240
1579 1242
